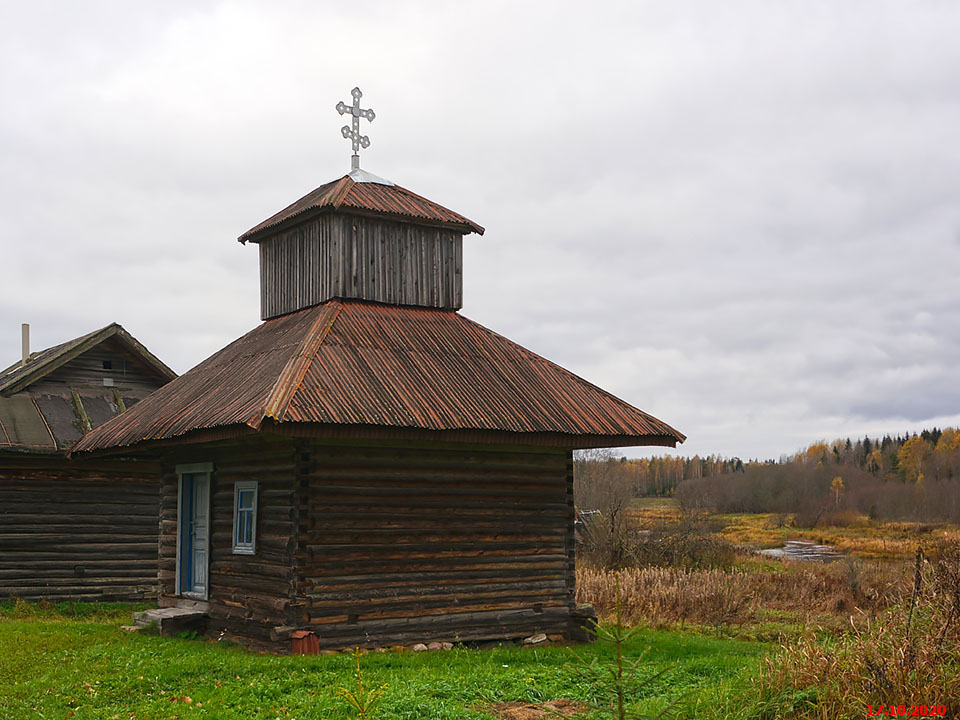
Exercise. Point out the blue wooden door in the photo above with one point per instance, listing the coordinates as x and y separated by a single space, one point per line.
193 527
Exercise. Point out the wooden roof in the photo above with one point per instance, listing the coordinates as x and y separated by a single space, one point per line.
371 367
42 363
365 197
51 420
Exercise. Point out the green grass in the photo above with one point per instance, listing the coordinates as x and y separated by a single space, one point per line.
108 611
83 664
642 502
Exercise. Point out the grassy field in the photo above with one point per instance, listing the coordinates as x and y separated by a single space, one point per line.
86 668
748 595
752 638
859 536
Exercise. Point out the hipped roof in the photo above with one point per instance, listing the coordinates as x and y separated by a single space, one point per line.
383 368
380 198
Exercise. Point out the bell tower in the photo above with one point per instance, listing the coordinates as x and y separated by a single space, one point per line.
360 237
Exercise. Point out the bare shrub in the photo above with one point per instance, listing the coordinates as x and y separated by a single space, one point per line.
610 537
602 483
806 491
808 516
909 654
848 517
689 543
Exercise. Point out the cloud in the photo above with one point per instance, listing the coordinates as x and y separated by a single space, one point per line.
740 217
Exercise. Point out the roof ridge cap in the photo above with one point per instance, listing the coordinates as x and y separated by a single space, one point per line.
124 335
340 191
289 379
36 368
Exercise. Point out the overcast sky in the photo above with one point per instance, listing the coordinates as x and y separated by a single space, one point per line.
741 217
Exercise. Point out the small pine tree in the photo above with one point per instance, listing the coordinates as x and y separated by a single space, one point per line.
617 679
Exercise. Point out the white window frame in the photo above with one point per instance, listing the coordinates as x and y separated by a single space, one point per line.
251 547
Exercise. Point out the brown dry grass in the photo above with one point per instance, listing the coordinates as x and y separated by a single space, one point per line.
804 593
909 655
650 512
846 518
847 531
535 711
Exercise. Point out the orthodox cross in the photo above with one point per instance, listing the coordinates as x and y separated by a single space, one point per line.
359 141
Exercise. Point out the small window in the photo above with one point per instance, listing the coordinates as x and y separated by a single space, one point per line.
108 364
245 517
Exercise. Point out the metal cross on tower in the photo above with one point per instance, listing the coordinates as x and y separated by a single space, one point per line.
359 141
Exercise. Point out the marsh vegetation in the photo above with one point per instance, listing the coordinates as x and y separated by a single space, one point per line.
879 624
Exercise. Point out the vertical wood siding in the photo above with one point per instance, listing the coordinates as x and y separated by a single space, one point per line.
374 259
78 533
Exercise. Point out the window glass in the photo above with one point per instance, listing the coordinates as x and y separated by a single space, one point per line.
245 517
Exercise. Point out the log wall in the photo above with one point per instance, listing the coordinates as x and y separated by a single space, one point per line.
249 595
346 256
373 544
77 531
419 544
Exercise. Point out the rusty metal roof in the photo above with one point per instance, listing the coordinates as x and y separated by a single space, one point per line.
368 197
51 420
366 365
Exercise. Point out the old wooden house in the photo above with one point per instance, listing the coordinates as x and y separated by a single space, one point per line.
368 466
81 529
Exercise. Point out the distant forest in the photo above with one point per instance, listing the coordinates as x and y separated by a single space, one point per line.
913 477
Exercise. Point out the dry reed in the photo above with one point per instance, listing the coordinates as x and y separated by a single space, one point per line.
909 655
712 596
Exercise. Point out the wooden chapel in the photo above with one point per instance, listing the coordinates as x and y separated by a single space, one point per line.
368 466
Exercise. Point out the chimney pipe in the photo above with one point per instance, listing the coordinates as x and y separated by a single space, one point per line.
25 335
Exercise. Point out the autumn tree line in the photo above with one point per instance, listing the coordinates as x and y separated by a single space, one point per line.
914 477
911 477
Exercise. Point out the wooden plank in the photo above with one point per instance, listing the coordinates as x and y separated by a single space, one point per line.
67 534
369 258
386 540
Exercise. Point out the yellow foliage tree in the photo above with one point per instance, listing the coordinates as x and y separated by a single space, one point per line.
945 453
817 452
836 487
911 456
949 441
